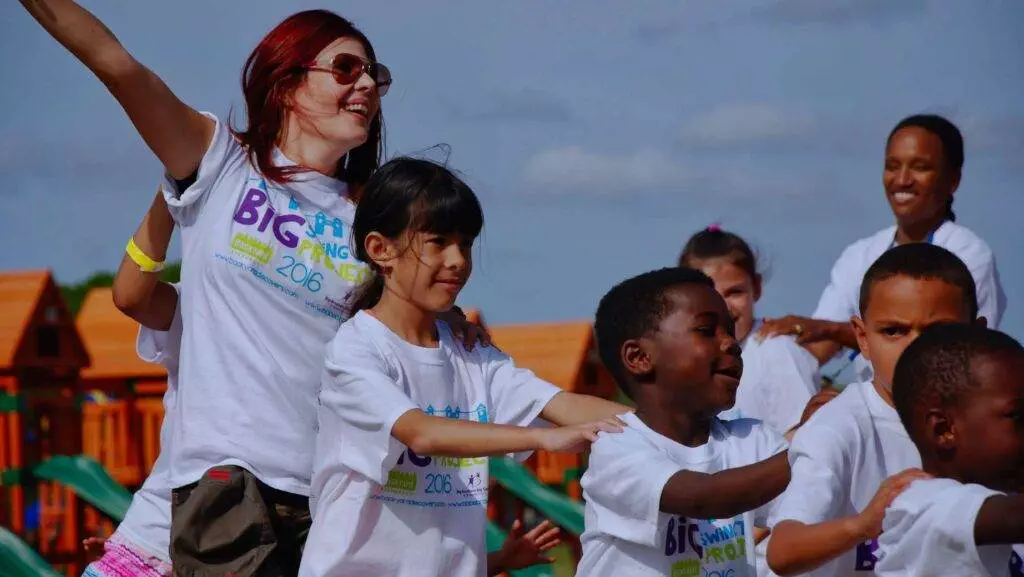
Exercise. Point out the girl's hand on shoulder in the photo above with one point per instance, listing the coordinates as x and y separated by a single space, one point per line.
469 333
576 438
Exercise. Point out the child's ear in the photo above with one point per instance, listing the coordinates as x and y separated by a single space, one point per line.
379 248
757 287
636 360
940 429
861 332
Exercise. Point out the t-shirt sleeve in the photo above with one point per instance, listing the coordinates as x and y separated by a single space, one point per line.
518 396
161 347
766 443
224 151
623 485
836 303
816 491
362 400
929 530
982 263
789 373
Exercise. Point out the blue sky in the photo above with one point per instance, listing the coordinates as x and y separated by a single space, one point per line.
599 138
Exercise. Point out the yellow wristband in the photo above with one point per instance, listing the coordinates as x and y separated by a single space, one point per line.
140 258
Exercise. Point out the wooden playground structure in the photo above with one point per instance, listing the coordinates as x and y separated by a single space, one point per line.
75 386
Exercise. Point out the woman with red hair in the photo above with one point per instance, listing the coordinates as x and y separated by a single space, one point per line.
265 215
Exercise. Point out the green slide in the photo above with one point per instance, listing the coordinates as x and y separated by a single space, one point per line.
560 509
17 559
89 480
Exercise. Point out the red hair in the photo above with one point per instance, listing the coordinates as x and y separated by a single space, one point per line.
275 69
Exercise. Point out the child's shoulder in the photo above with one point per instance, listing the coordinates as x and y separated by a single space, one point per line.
841 421
752 437
358 339
849 409
635 438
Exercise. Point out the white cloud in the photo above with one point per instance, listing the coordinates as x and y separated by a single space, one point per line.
745 123
575 169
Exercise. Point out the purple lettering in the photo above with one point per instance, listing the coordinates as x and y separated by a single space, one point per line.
866 556
418 460
287 238
247 213
267 216
694 531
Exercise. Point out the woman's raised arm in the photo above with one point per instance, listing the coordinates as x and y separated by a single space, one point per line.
176 133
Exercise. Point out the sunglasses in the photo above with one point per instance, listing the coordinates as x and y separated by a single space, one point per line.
347 68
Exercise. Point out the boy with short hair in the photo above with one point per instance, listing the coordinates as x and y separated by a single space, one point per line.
847 460
679 491
959 391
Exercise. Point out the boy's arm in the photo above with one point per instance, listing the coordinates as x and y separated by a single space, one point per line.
140 294
727 493
572 409
1000 521
797 548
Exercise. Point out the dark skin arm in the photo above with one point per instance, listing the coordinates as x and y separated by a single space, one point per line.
822 338
726 493
1000 521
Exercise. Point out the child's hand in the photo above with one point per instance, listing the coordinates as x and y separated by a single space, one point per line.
576 438
93 548
521 550
870 519
470 334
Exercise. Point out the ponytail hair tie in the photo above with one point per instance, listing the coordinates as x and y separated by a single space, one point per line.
714 228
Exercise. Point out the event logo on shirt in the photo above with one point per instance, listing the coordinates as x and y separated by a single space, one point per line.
303 250
710 547
438 482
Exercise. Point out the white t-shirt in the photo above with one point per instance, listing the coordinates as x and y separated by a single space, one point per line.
841 298
626 532
148 520
779 377
378 508
929 531
268 271
839 459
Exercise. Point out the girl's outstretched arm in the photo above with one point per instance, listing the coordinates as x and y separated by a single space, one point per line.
139 293
177 134
567 408
434 436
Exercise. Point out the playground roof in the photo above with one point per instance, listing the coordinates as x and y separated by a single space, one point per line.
20 292
556 352
109 336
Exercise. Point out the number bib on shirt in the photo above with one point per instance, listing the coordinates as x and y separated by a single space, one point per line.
706 547
439 482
